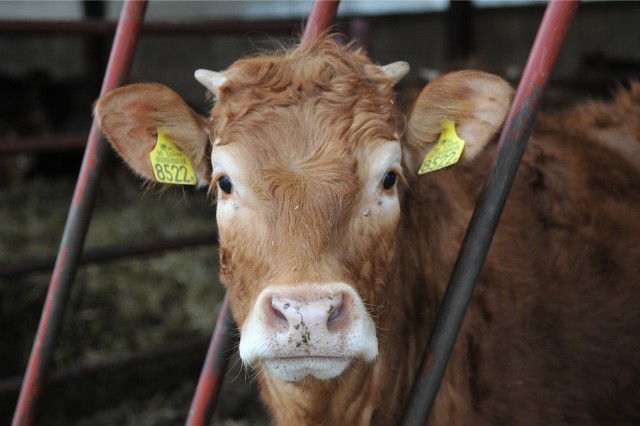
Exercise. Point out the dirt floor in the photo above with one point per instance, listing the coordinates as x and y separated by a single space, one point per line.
164 305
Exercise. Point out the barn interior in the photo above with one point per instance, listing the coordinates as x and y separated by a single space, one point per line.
145 299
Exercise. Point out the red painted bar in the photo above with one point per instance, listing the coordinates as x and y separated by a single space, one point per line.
203 404
77 222
511 146
321 17
215 366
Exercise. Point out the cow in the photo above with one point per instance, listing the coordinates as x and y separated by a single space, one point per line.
336 253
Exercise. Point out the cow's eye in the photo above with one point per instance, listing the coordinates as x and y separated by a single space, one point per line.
224 183
389 180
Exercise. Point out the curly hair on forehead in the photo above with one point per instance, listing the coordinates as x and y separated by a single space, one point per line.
303 67
340 77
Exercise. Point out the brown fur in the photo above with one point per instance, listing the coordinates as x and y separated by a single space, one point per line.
551 335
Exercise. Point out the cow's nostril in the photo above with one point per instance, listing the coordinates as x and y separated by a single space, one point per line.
279 314
335 313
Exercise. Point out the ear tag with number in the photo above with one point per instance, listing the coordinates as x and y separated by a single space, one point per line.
446 152
170 165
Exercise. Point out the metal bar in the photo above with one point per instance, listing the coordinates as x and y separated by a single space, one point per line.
511 146
168 350
104 254
78 219
210 382
99 27
22 144
322 15
215 365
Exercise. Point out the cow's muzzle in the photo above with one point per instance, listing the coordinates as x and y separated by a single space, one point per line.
310 329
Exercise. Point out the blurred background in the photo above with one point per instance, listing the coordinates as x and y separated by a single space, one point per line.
143 307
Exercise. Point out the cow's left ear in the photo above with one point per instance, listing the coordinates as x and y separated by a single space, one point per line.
475 101
131 117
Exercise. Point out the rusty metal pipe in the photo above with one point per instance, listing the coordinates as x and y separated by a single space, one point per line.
29 144
215 365
75 230
511 147
321 17
104 254
165 351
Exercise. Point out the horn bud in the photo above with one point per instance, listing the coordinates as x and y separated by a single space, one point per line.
395 70
212 80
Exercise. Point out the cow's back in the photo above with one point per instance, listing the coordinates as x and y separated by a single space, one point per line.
553 332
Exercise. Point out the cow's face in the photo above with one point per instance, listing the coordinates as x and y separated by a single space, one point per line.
307 208
305 242
306 155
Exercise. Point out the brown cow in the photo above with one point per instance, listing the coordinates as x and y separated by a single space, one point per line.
336 253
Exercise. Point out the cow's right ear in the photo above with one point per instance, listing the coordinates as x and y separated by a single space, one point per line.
130 117
475 101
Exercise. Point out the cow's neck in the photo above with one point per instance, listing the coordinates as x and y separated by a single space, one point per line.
363 395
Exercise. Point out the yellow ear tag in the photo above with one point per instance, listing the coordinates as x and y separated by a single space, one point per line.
446 152
170 165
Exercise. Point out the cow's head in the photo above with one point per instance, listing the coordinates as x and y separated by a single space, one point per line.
307 157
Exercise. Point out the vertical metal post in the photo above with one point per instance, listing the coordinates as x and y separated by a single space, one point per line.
209 384
321 17
77 223
511 146
215 364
